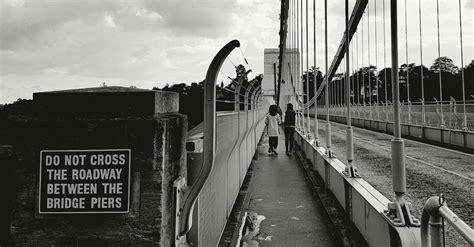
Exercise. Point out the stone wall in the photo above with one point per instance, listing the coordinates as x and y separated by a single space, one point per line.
158 157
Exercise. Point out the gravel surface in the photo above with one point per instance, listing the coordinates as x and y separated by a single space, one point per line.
430 171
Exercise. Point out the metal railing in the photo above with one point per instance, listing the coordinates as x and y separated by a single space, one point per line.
435 213
417 113
229 140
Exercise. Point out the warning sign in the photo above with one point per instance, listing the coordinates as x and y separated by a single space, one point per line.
84 181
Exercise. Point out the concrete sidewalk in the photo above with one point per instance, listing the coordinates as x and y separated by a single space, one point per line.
280 198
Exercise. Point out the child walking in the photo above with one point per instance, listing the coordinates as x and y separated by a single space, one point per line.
272 120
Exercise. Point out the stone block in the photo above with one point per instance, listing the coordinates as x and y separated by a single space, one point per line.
105 102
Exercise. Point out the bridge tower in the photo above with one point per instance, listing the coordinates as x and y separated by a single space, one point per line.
290 77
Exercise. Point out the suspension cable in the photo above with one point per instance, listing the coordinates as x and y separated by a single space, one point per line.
302 65
228 58
352 78
439 66
385 58
307 70
290 68
316 135
296 59
357 72
462 69
348 86
363 68
328 126
406 60
376 63
243 55
423 117
368 59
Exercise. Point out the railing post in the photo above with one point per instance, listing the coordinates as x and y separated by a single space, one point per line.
399 210
398 155
350 171
328 122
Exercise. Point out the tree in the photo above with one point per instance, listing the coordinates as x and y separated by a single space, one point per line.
445 64
469 80
385 78
360 78
310 74
415 83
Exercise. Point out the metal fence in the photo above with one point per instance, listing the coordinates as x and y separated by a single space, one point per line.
427 114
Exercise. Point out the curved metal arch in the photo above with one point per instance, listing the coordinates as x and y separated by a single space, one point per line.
247 92
209 135
237 90
254 96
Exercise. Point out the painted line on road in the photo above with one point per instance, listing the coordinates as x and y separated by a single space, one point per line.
407 140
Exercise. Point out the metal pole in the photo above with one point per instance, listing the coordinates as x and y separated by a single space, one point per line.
398 156
368 56
307 72
302 68
363 70
275 80
352 81
358 74
464 122
407 67
328 123
315 73
439 64
376 62
431 227
297 68
436 230
423 114
385 62
349 131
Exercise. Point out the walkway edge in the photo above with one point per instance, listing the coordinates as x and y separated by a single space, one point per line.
231 233
327 200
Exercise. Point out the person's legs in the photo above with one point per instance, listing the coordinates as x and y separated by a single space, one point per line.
275 145
287 139
291 135
271 144
270 149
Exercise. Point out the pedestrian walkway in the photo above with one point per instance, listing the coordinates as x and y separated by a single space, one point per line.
281 199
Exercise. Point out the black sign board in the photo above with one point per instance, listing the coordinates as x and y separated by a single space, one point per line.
84 181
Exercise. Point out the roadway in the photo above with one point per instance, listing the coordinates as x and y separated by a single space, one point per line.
431 170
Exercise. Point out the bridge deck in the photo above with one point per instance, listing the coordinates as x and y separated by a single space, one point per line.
280 193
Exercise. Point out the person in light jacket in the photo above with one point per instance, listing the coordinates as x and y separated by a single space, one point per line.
272 122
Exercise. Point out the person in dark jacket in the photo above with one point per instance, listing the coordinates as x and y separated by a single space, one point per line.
289 128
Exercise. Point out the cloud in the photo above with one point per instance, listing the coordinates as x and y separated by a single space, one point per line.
49 45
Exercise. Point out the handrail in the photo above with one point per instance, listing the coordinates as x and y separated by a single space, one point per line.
209 142
434 209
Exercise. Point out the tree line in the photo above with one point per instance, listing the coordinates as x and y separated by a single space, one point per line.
451 77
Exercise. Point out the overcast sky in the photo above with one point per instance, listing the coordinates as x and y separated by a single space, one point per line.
55 44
